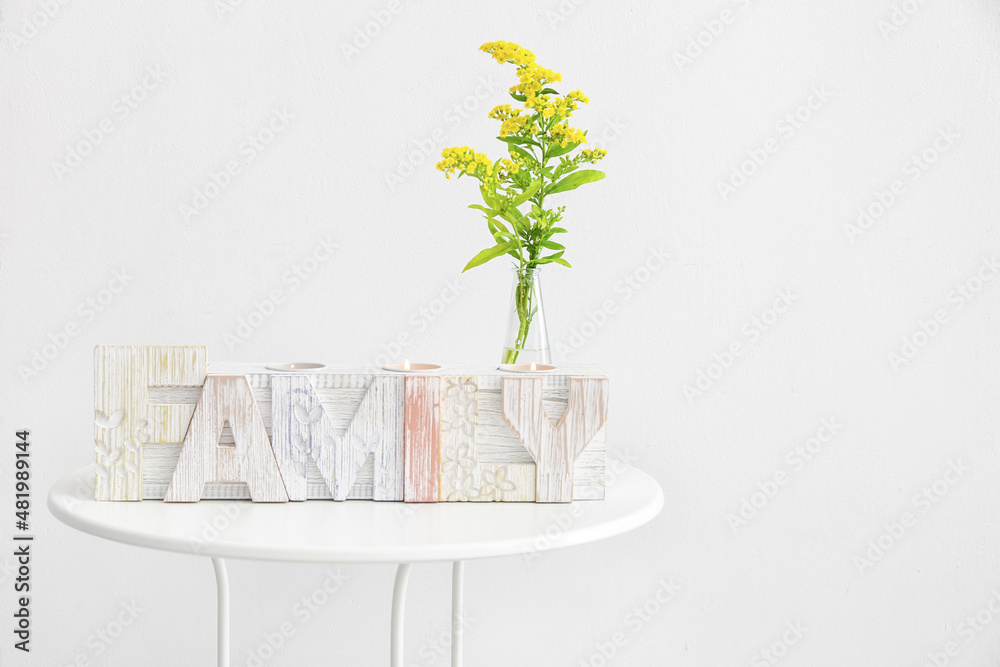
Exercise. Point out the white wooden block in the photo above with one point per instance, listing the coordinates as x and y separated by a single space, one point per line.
463 476
378 424
555 445
341 395
226 398
498 457
300 432
124 417
497 443
459 417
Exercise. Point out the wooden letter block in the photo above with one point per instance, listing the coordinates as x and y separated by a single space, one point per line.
422 439
344 432
464 477
226 398
300 430
459 417
555 446
377 429
124 419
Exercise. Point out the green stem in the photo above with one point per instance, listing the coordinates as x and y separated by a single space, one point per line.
525 279
539 199
526 310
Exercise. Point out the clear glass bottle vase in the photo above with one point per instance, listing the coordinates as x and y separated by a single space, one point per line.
526 339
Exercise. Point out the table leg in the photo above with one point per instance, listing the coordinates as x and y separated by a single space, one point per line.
398 609
222 585
457 611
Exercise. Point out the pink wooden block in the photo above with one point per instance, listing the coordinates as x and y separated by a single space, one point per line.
422 431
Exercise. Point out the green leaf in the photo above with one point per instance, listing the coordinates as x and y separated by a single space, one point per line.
519 98
573 181
523 153
488 254
552 245
547 91
558 150
513 216
555 259
488 211
523 141
499 232
490 197
499 225
558 230
528 194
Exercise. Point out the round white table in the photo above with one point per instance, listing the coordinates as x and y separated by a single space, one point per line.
358 531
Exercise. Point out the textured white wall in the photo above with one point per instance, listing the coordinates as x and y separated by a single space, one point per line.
890 106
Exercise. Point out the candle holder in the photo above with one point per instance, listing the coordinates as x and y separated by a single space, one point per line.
295 367
408 367
527 368
416 432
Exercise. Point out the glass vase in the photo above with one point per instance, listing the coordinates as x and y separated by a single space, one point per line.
526 339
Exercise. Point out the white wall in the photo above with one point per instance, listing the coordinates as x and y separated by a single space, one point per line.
674 133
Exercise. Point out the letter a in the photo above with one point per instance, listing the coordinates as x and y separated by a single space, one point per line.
202 459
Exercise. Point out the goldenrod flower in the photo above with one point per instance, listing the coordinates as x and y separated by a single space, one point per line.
508 52
516 125
464 160
506 168
563 134
519 184
592 156
503 112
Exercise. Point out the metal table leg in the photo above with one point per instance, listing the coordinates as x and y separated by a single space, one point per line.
222 584
457 611
398 609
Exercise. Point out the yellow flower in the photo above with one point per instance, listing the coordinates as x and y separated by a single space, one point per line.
464 160
507 167
512 120
587 155
503 112
532 79
512 125
508 52
563 134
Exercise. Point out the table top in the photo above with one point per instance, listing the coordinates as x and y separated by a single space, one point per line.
358 531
